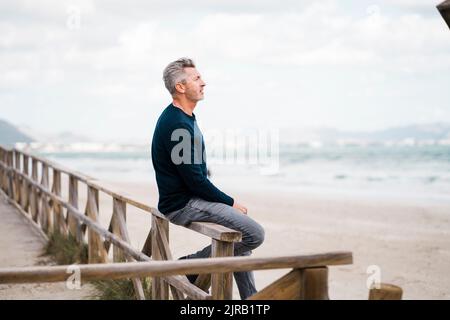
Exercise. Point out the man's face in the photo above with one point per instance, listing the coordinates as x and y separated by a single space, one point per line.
194 85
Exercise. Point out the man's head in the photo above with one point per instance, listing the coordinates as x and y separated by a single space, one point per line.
181 78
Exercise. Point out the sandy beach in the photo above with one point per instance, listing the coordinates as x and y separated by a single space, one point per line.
408 241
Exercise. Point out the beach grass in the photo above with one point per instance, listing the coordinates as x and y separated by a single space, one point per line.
120 289
66 251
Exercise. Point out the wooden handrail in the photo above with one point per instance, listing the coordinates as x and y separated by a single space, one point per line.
41 196
43 199
207 229
167 268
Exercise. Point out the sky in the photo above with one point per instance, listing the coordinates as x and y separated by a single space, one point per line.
95 67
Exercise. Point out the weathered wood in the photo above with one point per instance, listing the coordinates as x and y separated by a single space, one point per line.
119 216
25 193
287 287
216 231
163 239
208 229
58 217
160 289
386 292
5 171
184 286
84 226
96 249
121 195
107 243
34 201
203 282
46 219
118 254
160 238
176 293
222 283
10 174
314 284
2 169
16 180
147 248
169 268
73 223
164 252
92 224
335 258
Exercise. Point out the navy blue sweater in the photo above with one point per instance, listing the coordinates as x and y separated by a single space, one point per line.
179 181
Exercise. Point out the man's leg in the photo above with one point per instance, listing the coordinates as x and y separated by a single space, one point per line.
252 233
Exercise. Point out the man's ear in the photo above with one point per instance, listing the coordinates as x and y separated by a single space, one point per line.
180 87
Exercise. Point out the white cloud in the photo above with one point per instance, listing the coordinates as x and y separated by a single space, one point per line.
117 54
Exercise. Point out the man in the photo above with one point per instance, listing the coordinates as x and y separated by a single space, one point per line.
185 192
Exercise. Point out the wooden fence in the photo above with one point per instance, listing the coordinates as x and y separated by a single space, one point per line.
33 186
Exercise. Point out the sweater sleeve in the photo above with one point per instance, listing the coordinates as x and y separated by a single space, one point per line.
191 171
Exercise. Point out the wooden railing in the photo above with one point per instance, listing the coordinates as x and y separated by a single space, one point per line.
307 280
33 185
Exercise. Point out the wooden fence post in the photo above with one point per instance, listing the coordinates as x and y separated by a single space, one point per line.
120 229
160 289
97 252
25 197
17 178
34 201
46 218
2 171
222 283
73 223
386 292
118 208
58 217
314 284
10 175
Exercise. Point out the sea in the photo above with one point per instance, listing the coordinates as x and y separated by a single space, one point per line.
389 171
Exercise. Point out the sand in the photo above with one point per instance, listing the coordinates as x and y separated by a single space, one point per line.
407 240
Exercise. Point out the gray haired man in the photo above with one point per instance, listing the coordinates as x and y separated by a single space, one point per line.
185 192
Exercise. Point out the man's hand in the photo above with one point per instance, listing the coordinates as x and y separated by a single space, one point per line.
240 207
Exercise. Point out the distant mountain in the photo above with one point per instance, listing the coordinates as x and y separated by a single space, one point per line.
433 131
45 137
9 134
416 132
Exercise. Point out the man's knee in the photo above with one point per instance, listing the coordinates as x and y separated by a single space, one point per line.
257 236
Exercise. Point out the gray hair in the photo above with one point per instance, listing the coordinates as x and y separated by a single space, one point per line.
174 73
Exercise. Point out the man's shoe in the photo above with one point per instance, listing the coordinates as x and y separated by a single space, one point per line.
191 277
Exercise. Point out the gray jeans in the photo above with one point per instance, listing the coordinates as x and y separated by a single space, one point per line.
199 210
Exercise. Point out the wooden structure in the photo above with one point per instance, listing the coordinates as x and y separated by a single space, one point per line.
33 185
444 9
